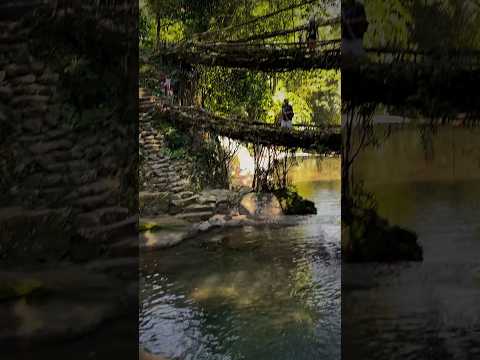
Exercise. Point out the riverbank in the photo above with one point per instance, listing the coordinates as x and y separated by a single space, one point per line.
227 209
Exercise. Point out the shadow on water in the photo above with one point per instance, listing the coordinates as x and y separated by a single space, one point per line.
267 293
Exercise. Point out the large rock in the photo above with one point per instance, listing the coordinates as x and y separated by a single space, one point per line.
162 232
153 203
293 204
261 205
154 240
217 196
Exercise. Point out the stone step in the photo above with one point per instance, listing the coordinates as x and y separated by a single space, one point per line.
198 208
160 188
165 175
97 187
151 158
184 202
161 185
66 166
125 246
146 108
93 202
61 178
48 196
177 189
41 148
53 157
158 158
164 164
195 217
152 145
156 178
149 139
161 172
186 194
180 182
112 232
102 216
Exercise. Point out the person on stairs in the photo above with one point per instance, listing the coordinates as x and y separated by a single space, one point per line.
287 115
168 87
312 33
354 27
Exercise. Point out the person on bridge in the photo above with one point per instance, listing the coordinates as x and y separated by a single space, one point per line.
354 27
312 33
287 115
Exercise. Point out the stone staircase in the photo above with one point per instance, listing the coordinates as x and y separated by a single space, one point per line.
165 186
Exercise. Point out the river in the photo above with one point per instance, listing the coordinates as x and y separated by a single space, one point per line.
277 296
428 310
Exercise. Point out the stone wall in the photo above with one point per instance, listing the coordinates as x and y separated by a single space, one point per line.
52 170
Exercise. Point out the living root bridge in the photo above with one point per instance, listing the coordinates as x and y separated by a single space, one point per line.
261 57
325 139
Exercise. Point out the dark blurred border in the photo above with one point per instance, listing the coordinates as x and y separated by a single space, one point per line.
68 179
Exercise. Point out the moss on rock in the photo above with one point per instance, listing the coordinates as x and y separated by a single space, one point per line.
293 204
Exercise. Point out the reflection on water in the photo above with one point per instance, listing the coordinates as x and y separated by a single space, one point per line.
275 297
426 310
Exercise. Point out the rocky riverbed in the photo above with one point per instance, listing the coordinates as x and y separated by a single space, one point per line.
226 209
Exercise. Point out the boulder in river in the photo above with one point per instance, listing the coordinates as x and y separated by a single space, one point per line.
260 205
293 204
162 232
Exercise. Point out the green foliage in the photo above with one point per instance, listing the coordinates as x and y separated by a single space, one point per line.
177 141
209 159
256 96
237 92
315 95
145 29
423 24
389 22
